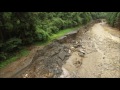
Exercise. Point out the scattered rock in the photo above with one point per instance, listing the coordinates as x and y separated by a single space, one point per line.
82 53
72 48
76 42
66 50
76 45
25 76
69 51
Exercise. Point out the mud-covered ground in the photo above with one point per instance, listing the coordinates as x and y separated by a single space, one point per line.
91 52
102 55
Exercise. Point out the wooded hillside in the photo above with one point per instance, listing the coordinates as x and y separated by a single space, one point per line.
18 29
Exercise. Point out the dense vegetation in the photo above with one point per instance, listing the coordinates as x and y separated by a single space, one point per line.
18 29
98 15
113 19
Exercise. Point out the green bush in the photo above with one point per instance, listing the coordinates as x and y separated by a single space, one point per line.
113 18
42 36
12 45
54 29
3 56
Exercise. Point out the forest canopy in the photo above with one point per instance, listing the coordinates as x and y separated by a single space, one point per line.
113 19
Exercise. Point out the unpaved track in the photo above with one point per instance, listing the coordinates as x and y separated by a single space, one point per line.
102 59
94 54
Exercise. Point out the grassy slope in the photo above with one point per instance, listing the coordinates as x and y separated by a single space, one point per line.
57 35
25 52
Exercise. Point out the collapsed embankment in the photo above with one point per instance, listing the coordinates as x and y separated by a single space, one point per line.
48 61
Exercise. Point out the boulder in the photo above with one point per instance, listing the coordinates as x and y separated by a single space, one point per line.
72 48
81 53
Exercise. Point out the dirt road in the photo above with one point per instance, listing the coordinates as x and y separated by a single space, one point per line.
94 54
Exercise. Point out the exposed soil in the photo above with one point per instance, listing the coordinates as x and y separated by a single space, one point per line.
102 55
91 52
